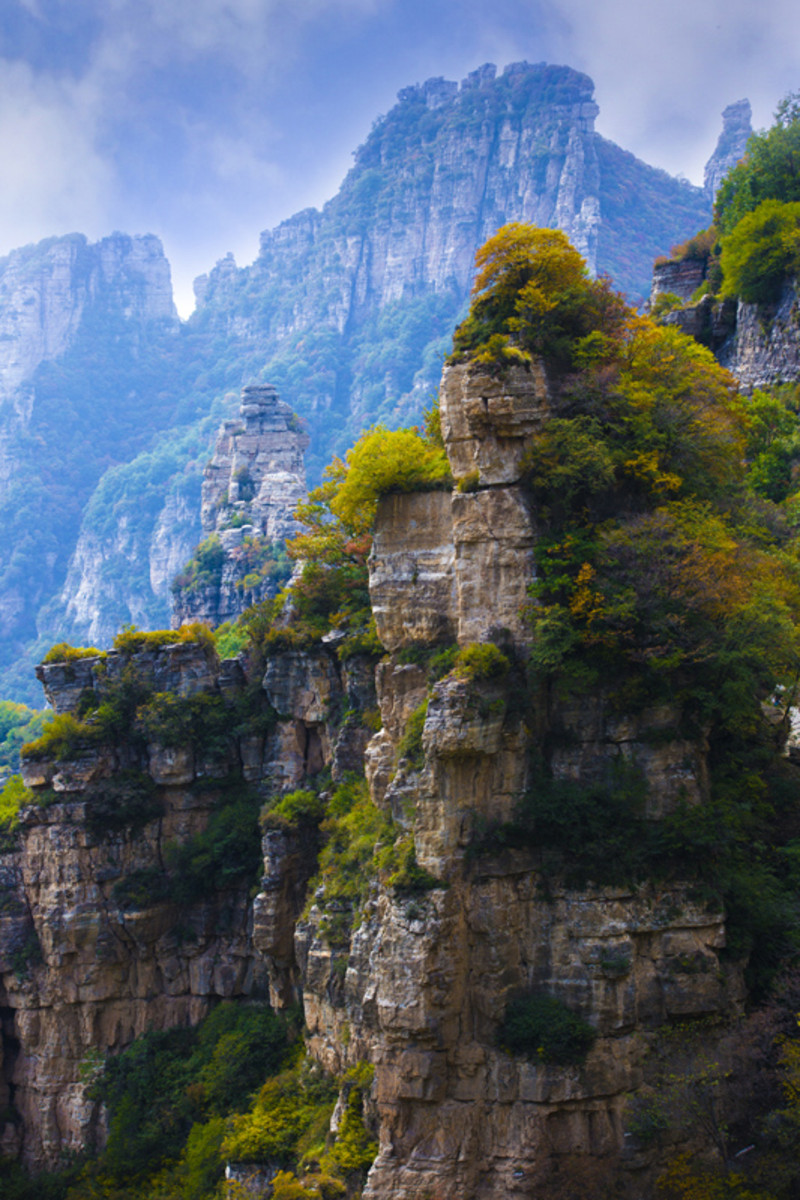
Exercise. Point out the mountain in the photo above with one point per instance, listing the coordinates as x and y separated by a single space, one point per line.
111 405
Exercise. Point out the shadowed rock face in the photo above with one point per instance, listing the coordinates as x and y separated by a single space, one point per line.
420 987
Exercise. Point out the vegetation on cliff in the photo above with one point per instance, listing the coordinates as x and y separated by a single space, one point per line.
753 247
667 573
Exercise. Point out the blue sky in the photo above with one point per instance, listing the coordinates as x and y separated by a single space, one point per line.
206 121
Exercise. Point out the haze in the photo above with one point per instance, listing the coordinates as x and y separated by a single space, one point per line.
206 121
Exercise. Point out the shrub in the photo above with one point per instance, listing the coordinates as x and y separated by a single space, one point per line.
18 724
411 748
128 800
231 639
204 568
355 833
295 809
13 796
700 247
63 736
62 652
226 854
202 721
141 889
133 641
665 302
532 295
382 461
410 878
286 1109
536 1025
768 170
481 661
761 252
354 1149
166 1081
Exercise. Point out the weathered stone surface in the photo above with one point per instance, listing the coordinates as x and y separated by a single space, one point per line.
488 419
251 488
412 585
82 974
678 277
765 348
494 538
731 144
421 988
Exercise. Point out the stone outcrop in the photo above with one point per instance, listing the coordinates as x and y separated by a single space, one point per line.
348 308
94 949
758 343
251 488
419 986
428 978
763 348
736 129
80 325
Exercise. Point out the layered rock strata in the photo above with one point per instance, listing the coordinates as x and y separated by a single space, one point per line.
94 947
251 488
428 977
758 343
419 985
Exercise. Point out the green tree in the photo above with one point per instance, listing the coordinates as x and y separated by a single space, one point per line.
532 295
770 169
762 251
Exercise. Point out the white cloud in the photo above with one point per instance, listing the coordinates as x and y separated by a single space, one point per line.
665 70
52 177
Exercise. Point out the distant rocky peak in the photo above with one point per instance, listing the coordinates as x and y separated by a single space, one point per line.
257 473
251 489
736 129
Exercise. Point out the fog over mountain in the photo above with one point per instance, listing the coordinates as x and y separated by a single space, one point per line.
205 123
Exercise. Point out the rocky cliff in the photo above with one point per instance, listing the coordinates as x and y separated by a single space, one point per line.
758 343
251 488
349 310
79 326
731 144
418 981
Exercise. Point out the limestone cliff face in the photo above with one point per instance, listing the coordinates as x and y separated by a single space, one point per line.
78 324
349 310
731 144
418 987
94 947
757 343
763 348
393 252
251 488
45 290
428 978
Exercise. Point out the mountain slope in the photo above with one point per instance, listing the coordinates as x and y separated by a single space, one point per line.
348 311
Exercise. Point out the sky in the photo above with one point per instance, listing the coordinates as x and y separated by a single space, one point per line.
206 121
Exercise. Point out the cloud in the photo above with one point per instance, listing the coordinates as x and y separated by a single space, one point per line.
52 178
206 121
664 71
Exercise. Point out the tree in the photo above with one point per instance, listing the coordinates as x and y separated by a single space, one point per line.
762 251
770 169
532 295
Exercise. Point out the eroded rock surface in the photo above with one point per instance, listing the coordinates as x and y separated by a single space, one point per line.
419 984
